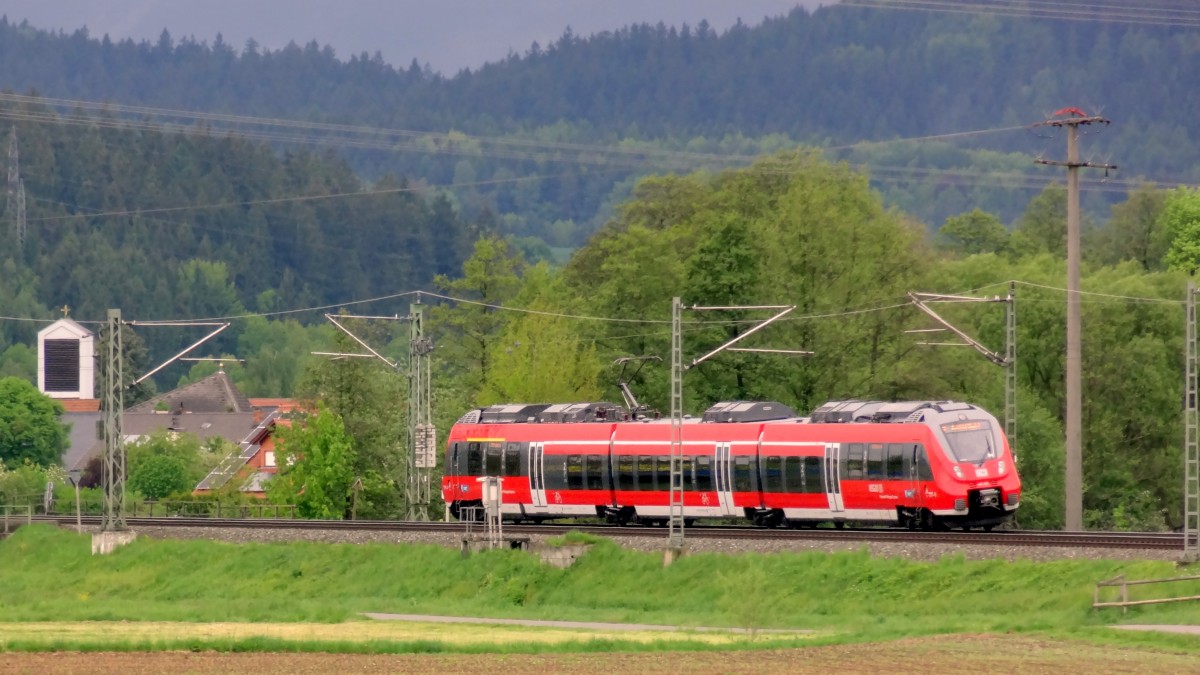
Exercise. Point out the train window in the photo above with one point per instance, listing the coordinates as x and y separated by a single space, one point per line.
625 473
813 480
645 472
574 472
924 471
664 472
595 472
773 475
793 474
491 459
474 459
743 475
555 472
512 459
875 454
704 477
855 458
895 461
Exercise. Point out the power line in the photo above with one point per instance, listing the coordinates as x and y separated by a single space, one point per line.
1041 9
283 200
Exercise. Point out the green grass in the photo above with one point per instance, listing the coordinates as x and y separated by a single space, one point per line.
48 574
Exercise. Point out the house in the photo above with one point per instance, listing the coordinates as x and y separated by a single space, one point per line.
210 407
252 465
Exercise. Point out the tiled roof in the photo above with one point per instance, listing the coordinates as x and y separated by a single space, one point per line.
213 394
80 404
283 405
229 426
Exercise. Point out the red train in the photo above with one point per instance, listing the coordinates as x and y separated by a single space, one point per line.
928 464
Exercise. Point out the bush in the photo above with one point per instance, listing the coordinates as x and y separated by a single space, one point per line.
159 476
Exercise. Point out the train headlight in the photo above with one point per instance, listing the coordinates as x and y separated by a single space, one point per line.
1001 466
958 472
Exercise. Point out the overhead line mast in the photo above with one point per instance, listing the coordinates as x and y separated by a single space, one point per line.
1071 119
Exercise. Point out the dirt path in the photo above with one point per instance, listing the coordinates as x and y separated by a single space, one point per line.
947 654
586 625
1185 630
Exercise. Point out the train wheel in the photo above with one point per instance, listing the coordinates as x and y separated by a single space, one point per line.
988 528
840 524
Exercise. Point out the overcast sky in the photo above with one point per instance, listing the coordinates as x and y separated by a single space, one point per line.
446 34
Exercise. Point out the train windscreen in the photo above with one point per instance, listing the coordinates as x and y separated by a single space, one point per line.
970 441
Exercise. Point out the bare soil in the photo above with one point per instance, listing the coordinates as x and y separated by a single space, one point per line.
948 654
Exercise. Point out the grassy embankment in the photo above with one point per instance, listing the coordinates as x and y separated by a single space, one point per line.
49 575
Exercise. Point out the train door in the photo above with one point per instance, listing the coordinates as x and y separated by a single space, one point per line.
537 479
723 475
833 477
918 469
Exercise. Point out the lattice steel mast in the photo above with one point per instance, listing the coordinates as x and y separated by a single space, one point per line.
113 469
422 441
1191 443
675 525
420 457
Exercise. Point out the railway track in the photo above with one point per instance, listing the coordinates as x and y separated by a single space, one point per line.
1102 540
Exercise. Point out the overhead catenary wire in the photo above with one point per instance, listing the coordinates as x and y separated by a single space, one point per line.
693 325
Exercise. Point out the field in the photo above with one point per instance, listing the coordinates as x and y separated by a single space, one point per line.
214 607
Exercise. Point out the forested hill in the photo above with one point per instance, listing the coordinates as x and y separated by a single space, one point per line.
838 73
168 225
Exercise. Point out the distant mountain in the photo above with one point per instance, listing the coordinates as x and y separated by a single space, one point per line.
832 76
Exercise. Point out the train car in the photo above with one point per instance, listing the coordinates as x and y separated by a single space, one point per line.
929 464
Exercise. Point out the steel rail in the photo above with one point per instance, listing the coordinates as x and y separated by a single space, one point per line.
1115 540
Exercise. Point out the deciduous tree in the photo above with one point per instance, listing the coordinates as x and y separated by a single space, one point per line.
30 426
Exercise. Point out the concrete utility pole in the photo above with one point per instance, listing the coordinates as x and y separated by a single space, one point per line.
1072 119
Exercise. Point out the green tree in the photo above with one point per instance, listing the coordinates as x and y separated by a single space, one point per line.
370 398
1136 231
30 426
193 458
1043 226
542 357
1181 217
315 458
971 233
472 329
159 476
19 361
